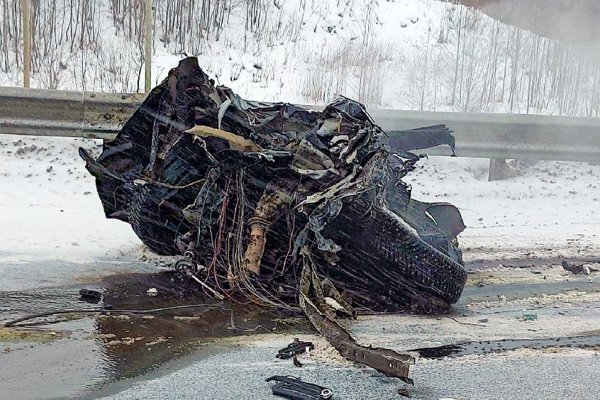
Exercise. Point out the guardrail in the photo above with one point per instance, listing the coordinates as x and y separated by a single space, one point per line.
61 113
481 135
499 136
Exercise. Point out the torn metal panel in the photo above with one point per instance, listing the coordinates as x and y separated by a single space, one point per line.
242 188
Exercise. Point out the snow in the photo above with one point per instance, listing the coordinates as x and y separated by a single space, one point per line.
550 210
50 209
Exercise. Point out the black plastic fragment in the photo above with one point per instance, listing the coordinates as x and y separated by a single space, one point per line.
90 295
294 348
293 388
422 138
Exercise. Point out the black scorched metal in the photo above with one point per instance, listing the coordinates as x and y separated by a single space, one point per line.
256 195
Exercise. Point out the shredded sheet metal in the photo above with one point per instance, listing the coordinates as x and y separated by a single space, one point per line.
240 188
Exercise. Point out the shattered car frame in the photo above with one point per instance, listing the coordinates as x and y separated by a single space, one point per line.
282 206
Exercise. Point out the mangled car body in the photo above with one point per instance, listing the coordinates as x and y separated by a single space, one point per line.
273 203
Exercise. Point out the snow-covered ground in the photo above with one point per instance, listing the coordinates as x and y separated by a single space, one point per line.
50 209
552 209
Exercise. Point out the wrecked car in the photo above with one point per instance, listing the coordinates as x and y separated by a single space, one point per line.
282 206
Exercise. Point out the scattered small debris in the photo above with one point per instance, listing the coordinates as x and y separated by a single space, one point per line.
528 317
297 362
158 340
128 341
578 269
294 348
106 335
293 388
404 392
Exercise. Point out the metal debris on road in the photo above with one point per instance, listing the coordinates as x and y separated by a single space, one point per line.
90 295
293 388
578 269
528 317
297 362
295 348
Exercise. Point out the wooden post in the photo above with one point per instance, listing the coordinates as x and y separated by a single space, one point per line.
26 42
148 46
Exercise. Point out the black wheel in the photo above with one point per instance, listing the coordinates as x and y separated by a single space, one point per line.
152 221
384 254
422 265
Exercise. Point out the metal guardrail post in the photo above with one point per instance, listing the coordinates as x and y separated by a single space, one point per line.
499 170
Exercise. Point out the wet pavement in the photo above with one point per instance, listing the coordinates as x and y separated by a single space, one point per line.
239 373
67 355
483 350
20 276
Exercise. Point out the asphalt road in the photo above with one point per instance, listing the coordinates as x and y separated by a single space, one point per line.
240 373
171 357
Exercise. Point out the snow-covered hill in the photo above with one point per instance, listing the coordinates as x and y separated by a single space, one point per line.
421 54
404 54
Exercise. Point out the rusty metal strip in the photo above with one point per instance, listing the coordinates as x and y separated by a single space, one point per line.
386 361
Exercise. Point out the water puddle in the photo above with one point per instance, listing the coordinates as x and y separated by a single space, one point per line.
94 350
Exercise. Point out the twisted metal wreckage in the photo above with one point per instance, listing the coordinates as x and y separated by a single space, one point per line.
281 206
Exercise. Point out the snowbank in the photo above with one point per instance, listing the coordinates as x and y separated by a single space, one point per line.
50 209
